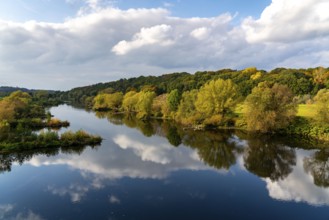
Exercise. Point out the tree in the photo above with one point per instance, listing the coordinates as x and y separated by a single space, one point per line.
100 102
108 101
173 100
144 104
269 107
322 105
186 109
7 110
217 98
115 100
130 100
15 106
160 106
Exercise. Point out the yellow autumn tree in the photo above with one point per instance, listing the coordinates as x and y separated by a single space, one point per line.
216 99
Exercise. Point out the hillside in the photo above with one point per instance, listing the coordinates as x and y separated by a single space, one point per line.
300 81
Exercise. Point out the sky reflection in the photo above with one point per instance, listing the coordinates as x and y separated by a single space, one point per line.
213 172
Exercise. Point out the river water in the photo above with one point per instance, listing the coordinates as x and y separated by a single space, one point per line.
157 170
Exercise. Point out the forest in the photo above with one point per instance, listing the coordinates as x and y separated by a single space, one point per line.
284 101
280 101
21 119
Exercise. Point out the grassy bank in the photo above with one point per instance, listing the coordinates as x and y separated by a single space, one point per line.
304 125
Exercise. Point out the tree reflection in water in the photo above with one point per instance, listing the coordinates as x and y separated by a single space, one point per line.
318 166
8 159
213 147
267 158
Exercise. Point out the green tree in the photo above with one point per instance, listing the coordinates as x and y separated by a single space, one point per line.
322 105
186 113
216 99
15 106
144 104
173 100
7 111
130 100
269 107
108 101
100 102
115 100
160 106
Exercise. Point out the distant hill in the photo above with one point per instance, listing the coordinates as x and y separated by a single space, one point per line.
5 90
8 89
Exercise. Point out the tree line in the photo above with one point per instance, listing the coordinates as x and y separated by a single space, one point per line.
270 106
302 82
21 116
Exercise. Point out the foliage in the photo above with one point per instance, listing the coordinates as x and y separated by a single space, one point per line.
186 113
130 100
307 110
322 106
106 101
160 106
269 107
218 97
79 138
144 104
26 140
173 100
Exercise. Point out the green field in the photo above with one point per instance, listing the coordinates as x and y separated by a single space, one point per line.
306 110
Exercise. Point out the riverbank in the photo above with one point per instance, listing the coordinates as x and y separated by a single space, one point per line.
49 139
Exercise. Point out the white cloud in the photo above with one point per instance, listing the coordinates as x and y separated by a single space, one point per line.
6 212
29 216
4 209
290 21
114 200
157 154
200 33
135 157
75 191
298 187
158 34
103 43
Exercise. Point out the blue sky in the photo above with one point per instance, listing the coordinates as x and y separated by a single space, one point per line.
61 44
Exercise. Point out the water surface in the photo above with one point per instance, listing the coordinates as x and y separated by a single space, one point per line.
157 170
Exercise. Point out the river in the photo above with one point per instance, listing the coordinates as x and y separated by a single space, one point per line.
156 170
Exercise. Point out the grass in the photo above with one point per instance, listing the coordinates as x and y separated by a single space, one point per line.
306 110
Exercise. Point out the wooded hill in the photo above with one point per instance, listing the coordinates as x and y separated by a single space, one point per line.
302 82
